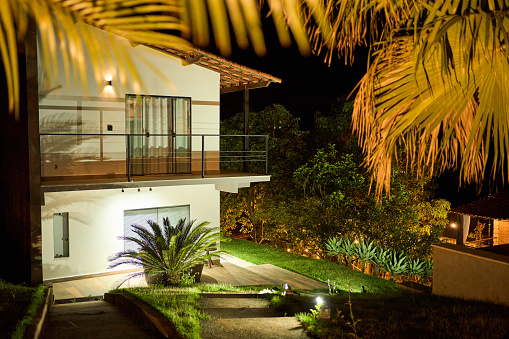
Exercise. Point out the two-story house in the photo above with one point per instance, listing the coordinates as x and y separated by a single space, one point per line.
138 147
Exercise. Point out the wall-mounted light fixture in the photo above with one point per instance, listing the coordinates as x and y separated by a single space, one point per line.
453 225
122 190
108 82
138 189
150 189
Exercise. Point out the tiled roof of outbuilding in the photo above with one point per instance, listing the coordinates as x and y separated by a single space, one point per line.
494 206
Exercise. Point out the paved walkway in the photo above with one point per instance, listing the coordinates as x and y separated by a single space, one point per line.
231 271
231 317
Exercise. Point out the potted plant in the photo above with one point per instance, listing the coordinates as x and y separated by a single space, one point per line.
167 252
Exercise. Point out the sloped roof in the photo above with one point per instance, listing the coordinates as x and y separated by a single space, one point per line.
233 77
494 206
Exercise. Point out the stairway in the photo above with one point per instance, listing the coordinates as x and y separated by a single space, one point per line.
245 316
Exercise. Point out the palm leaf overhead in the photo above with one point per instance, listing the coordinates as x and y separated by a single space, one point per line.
441 95
158 22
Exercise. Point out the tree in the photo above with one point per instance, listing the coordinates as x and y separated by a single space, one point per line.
242 211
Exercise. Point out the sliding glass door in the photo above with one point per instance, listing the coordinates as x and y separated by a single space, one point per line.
140 217
159 131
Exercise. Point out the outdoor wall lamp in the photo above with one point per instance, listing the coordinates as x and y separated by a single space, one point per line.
108 82
453 225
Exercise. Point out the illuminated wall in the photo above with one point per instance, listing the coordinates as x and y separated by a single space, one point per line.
96 220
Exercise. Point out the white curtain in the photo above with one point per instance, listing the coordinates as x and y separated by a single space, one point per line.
466 226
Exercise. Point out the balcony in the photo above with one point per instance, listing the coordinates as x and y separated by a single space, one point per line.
74 159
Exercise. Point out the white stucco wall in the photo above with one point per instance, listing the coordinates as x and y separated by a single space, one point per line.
95 106
161 74
96 219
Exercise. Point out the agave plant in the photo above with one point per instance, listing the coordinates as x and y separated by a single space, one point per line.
365 251
348 250
415 267
396 263
333 248
379 260
169 251
428 269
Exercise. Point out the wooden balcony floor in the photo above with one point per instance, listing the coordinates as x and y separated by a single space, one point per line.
52 184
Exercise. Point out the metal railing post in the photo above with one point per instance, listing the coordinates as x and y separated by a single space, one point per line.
266 154
203 156
128 162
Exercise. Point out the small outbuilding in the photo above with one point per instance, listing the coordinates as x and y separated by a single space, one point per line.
483 222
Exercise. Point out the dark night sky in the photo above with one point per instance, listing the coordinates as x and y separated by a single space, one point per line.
308 83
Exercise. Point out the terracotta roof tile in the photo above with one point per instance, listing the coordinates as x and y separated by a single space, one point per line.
495 206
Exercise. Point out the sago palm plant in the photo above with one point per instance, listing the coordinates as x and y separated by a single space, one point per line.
169 251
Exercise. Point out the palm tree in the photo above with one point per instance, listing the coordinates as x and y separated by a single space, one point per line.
167 252
437 86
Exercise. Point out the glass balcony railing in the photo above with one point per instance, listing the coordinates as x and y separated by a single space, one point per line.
131 155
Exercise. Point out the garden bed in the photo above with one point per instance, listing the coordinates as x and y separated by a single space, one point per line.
23 310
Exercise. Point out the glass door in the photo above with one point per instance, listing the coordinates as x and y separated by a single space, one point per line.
182 126
159 131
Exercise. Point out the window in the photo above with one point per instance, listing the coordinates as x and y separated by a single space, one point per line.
140 217
61 234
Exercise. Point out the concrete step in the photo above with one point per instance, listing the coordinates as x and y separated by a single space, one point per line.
237 307
245 316
253 328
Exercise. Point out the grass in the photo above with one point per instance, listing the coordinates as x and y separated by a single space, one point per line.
18 306
410 316
346 279
180 304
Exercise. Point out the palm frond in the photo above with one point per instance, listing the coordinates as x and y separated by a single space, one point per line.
442 119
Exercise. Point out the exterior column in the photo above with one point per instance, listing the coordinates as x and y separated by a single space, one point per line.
20 174
246 129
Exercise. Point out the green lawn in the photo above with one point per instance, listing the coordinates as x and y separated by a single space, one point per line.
346 279
18 305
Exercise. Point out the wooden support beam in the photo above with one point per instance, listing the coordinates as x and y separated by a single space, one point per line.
246 129
191 60
260 84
